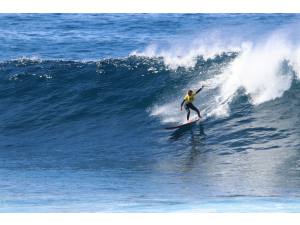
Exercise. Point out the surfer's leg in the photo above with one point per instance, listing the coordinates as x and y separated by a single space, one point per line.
188 115
195 109
188 111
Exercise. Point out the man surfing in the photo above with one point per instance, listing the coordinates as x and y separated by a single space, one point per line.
188 103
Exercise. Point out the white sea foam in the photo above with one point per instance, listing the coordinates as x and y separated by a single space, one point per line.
181 56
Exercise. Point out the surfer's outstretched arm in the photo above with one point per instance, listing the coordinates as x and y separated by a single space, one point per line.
182 104
199 89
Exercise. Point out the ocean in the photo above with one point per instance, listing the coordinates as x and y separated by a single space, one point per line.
85 100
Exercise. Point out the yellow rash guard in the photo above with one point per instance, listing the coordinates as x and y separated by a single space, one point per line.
189 99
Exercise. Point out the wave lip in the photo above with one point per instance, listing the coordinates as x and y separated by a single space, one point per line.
183 56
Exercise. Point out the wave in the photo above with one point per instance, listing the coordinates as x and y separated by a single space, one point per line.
42 91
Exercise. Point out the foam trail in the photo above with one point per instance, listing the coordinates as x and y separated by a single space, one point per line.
169 112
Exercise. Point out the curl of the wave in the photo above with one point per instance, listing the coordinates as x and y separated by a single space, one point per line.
262 71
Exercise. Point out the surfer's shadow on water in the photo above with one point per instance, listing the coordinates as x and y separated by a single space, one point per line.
194 138
196 131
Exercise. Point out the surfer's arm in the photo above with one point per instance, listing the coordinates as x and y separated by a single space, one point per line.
199 89
182 104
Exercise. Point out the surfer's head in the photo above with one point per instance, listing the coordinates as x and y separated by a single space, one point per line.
190 92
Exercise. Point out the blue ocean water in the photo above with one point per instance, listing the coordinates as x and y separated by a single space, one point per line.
85 98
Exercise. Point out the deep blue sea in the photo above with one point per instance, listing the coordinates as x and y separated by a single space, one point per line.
85 100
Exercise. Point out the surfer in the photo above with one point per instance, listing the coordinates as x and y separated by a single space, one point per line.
188 103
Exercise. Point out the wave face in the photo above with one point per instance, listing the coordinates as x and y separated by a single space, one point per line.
85 134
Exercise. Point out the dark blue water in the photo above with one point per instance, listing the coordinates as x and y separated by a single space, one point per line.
85 98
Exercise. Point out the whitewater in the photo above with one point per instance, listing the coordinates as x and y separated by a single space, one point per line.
85 99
